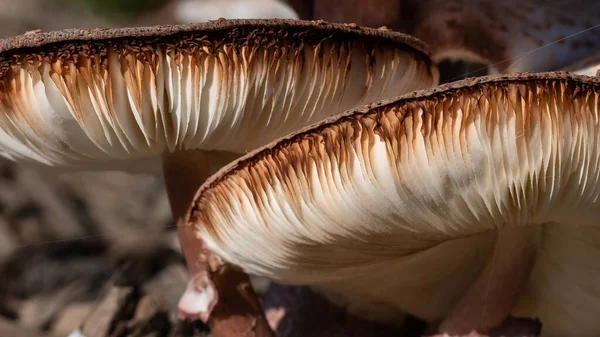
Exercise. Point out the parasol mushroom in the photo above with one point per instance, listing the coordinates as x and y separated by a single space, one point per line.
186 100
460 204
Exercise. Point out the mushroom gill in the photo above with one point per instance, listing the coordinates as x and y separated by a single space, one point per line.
404 205
83 98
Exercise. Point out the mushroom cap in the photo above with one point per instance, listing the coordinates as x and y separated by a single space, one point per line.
396 206
119 98
510 35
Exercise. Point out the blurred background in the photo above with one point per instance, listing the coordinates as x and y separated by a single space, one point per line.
73 259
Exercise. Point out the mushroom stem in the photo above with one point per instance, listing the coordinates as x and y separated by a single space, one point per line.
491 298
218 293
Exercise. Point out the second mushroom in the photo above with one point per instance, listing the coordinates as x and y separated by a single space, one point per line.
461 205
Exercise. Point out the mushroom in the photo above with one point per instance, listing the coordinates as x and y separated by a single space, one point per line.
460 205
187 99
508 35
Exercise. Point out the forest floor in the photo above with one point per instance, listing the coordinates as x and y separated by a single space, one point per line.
90 251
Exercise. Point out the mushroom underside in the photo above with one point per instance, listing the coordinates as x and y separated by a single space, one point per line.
112 102
398 207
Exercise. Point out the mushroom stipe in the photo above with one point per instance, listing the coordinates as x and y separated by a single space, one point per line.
464 203
187 100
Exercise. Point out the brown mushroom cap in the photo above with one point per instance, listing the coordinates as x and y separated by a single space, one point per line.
508 35
118 98
396 206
